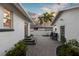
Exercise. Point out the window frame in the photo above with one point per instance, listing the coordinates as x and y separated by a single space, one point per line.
8 29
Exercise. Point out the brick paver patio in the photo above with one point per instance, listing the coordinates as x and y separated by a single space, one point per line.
44 47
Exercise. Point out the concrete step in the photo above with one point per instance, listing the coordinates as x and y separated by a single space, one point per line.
30 42
28 38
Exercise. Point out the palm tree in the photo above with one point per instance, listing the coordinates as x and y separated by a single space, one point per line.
40 20
46 17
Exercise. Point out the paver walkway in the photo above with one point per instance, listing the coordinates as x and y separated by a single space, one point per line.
44 47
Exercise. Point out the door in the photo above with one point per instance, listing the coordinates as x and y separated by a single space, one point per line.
25 30
62 34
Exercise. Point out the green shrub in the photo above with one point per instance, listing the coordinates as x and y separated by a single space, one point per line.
71 48
18 50
75 51
63 39
63 50
73 42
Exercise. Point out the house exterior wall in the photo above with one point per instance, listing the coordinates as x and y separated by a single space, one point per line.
9 38
41 31
71 23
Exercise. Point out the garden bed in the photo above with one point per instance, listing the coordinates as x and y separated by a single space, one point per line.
68 49
19 49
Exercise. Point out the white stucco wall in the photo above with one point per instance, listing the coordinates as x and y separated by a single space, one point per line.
71 22
1 17
8 39
40 32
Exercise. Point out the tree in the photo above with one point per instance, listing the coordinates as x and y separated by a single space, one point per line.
46 17
40 20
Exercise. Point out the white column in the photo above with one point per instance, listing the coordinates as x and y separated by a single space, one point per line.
28 29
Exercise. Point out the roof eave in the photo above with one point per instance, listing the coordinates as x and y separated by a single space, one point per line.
61 11
21 9
57 16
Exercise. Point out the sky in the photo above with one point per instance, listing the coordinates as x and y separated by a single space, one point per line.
40 8
35 7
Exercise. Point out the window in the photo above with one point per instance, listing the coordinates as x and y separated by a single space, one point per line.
7 19
61 19
62 30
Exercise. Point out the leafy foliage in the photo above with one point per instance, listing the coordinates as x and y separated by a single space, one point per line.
46 17
73 42
71 48
63 50
18 50
63 39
